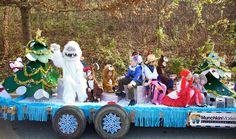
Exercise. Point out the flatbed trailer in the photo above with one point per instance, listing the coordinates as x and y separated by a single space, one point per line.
112 120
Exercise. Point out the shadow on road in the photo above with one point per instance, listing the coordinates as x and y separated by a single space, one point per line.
43 130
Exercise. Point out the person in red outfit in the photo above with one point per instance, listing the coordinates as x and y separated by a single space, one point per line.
185 94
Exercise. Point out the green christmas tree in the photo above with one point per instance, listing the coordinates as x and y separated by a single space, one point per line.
38 78
213 67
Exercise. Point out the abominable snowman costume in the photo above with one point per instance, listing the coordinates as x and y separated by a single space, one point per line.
74 82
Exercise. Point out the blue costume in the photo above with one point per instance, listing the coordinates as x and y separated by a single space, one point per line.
135 74
134 77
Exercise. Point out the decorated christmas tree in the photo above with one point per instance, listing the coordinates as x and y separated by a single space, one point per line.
213 67
37 78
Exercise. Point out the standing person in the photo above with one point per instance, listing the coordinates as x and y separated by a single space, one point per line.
132 79
157 88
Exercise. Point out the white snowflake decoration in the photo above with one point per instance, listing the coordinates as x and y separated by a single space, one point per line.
111 123
68 124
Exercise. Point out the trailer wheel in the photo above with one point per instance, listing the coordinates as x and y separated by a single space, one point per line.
69 122
112 121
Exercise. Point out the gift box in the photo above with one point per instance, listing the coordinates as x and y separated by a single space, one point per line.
139 95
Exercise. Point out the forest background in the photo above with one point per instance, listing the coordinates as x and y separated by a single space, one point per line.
108 31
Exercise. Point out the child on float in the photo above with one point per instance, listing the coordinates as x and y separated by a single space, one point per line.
133 79
93 91
185 94
198 83
155 87
108 79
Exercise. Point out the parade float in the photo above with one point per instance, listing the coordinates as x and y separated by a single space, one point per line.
42 95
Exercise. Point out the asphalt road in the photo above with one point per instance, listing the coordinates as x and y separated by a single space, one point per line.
43 130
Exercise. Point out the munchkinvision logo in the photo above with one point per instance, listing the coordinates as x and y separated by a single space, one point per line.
218 119
203 117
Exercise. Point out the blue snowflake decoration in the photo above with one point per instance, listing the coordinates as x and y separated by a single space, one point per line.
111 123
68 124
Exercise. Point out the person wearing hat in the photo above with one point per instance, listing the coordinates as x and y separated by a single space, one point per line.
133 78
93 91
157 88
185 94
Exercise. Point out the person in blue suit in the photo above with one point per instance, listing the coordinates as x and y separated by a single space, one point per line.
133 79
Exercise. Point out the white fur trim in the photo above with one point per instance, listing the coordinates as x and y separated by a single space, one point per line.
173 95
55 47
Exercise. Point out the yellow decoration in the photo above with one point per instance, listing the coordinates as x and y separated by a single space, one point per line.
38 36
39 69
32 81
38 53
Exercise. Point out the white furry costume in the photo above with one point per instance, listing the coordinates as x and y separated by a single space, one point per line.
74 82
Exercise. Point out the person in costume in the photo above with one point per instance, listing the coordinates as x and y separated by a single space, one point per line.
199 82
133 78
108 78
162 75
36 78
74 82
94 92
157 88
185 94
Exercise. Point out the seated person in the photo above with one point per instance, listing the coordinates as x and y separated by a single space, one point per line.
163 77
93 91
157 88
132 79
198 83
185 94
108 79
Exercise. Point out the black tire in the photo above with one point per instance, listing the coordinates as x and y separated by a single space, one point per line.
122 122
75 115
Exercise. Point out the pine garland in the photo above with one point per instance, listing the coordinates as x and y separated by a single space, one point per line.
39 69
33 81
37 53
